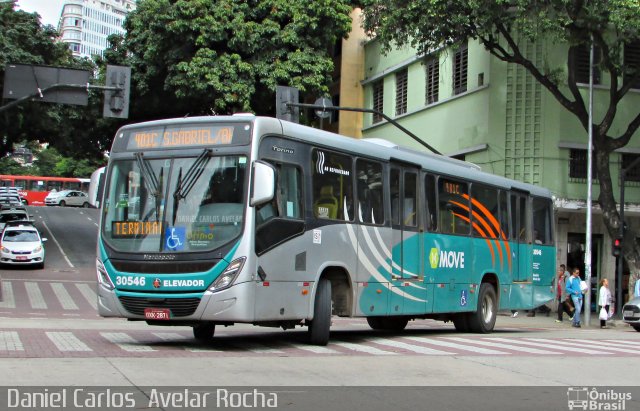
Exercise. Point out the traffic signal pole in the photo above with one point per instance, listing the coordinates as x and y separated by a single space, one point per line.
40 92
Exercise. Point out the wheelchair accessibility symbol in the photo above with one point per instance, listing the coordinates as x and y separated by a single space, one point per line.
463 298
174 238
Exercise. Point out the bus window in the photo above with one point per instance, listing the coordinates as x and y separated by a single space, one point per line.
432 208
332 186
410 217
504 216
395 196
519 218
453 207
369 187
485 207
542 232
288 199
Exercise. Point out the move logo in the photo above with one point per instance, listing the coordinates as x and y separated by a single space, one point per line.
446 259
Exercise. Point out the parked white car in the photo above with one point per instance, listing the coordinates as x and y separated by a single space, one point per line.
67 198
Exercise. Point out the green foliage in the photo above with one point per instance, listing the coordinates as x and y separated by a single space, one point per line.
11 167
204 57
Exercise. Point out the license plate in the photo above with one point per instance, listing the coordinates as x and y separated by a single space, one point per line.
627 313
157 314
21 258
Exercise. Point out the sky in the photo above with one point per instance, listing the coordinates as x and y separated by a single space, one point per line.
49 10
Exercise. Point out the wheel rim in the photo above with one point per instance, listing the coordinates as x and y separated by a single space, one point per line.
487 309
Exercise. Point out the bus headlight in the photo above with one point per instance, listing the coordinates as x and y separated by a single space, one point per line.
103 278
228 276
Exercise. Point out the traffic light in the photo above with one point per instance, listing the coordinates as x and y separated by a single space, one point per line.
616 247
116 102
286 95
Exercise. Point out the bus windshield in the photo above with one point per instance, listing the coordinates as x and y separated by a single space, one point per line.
174 205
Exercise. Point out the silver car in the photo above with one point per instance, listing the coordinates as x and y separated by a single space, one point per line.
631 313
67 198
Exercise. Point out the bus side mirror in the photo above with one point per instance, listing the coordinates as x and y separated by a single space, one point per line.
264 183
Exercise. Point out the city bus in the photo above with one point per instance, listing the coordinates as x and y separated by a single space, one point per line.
34 189
242 219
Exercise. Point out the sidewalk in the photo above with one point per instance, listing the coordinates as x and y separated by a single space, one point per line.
541 320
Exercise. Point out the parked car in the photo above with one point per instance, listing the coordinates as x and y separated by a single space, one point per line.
631 313
67 198
10 200
21 244
12 214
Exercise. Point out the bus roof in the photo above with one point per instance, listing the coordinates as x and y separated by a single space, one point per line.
373 148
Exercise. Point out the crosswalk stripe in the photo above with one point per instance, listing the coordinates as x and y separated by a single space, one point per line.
603 345
35 296
126 342
626 342
555 345
63 296
257 348
489 342
10 341
442 343
316 349
409 347
67 341
362 348
8 300
170 336
89 294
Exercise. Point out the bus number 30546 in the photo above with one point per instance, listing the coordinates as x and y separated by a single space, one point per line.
130 280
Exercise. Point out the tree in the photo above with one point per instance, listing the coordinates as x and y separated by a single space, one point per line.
218 57
503 26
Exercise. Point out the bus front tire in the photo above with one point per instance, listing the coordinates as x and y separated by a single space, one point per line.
320 326
204 332
484 318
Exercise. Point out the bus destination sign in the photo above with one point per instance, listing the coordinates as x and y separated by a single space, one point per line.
131 229
188 136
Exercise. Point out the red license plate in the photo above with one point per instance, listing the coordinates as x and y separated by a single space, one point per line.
21 257
157 313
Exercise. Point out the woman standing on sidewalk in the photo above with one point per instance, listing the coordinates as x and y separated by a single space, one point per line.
561 291
604 300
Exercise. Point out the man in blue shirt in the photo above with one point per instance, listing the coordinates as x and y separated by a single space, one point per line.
573 289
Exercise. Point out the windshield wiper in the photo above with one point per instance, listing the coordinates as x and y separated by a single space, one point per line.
184 186
154 186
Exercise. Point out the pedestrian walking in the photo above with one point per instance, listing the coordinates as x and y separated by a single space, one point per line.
604 301
573 290
561 291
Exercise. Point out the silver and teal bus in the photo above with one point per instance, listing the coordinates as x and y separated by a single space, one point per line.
241 219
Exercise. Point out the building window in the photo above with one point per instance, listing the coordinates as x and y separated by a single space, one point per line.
632 63
631 174
432 72
581 64
401 91
378 100
460 65
578 165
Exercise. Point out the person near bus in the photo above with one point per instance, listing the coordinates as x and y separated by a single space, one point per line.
573 289
561 291
604 301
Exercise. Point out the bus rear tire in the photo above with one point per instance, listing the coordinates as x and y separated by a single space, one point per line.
204 332
461 322
484 318
320 327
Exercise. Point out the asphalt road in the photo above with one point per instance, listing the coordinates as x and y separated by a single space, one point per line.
50 335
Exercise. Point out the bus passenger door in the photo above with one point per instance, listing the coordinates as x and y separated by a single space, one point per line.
521 294
408 292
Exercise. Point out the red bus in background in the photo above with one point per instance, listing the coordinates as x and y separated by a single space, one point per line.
34 189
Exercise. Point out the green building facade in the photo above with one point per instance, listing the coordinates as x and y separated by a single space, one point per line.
469 105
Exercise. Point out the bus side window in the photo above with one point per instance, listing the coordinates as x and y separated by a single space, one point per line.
332 186
287 202
432 205
542 221
453 208
369 190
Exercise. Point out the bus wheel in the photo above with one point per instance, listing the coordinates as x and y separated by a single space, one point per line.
461 322
484 318
204 332
319 328
375 323
637 328
388 323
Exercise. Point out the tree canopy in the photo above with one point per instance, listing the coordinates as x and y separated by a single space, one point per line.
205 57
504 26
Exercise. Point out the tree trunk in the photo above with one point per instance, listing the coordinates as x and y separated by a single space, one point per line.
611 216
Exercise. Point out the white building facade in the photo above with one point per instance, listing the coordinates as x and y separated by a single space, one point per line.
85 24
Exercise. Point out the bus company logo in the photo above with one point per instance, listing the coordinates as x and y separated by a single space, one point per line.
446 259
283 150
585 399
157 283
